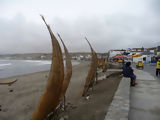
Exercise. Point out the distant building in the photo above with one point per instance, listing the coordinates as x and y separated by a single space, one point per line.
113 53
142 49
158 50
153 49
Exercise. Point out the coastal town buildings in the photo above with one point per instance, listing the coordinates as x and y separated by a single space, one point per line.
146 55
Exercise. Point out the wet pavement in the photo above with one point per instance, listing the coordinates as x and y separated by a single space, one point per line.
145 97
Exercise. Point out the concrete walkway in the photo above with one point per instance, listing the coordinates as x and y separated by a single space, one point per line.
118 109
145 97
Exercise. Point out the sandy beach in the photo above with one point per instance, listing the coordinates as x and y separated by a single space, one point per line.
18 101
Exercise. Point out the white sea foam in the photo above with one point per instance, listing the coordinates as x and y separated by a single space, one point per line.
10 68
40 62
5 64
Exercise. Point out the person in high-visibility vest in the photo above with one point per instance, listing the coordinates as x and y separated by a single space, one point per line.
158 68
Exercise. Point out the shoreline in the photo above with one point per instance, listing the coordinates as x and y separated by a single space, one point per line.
25 74
19 100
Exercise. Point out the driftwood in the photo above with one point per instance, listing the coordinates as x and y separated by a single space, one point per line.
8 83
92 71
51 98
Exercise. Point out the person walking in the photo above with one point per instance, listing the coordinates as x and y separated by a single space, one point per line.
158 68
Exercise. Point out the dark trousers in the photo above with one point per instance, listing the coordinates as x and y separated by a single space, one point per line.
157 72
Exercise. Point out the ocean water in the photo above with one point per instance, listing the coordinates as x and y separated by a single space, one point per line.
9 68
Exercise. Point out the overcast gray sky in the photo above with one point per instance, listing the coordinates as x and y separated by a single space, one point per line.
108 24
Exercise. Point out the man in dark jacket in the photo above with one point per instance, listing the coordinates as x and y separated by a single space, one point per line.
128 72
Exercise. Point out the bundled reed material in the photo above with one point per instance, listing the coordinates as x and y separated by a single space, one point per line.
68 69
8 83
51 97
91 72
57 83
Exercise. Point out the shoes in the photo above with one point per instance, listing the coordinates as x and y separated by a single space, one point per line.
132 85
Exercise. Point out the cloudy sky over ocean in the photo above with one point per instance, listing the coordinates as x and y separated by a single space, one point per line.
108 24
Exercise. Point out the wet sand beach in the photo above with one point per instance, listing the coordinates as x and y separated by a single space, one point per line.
18 101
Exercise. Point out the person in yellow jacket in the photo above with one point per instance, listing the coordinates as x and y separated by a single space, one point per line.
158 68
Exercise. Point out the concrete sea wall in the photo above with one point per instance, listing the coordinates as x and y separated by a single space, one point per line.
119 107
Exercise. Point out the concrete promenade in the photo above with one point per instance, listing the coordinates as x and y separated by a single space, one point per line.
119 107
145 97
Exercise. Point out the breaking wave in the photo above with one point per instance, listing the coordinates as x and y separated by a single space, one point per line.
6 64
